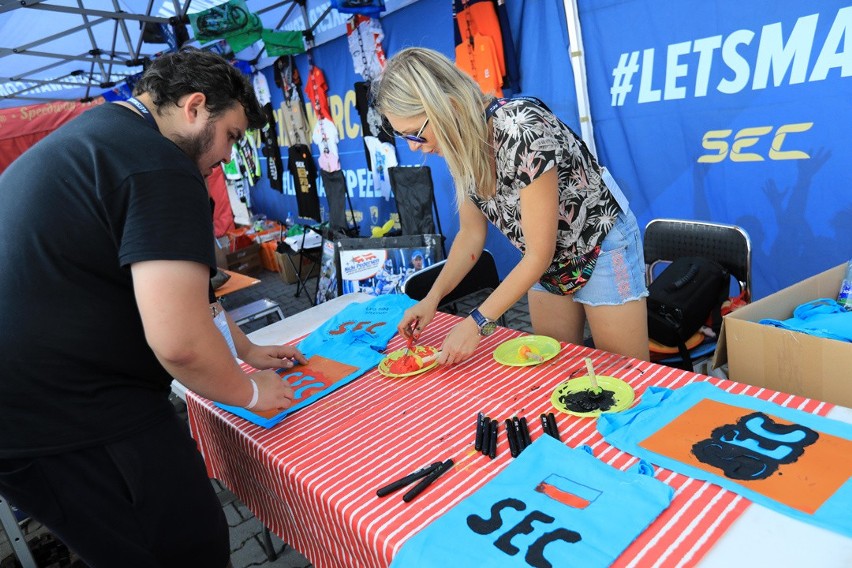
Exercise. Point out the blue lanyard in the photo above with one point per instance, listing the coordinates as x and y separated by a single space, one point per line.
493 106
145 112
497 103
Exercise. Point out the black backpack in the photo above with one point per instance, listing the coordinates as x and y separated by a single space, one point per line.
682 298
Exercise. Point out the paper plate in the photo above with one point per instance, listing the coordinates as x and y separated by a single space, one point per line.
420 351
508 352
623 394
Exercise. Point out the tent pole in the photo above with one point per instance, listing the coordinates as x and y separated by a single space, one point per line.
578 65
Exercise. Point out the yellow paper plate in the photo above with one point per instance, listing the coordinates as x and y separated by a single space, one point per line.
420 351
622 395
508 352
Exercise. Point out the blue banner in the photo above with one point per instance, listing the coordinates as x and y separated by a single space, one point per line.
733 112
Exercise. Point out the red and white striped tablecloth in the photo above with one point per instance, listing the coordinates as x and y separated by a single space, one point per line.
312 479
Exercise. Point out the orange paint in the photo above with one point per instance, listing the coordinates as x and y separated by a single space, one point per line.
563 497
405 364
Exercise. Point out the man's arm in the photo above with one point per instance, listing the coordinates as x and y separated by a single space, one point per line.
172 300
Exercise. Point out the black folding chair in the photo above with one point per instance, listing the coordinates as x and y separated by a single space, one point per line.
339 202
729 245
305 271
415 201
483 277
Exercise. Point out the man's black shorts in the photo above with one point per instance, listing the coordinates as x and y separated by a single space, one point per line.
140 502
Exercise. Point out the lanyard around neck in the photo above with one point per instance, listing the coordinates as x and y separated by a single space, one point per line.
497 103
145 112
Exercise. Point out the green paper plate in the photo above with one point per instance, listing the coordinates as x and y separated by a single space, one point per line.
624 394
508 352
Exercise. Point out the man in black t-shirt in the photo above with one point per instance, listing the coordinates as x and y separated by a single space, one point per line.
107 251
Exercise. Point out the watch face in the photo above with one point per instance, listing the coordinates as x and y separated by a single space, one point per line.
488 328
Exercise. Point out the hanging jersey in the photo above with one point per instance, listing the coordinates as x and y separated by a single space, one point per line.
304 172
479 18
329 162
249 162
372 123
231 167
269 140
366 7
294 123
512 75
217 189
317 92
326 138
382 157
479 60
286 75
365 37
261 89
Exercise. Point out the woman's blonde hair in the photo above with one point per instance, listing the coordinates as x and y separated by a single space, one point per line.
418 81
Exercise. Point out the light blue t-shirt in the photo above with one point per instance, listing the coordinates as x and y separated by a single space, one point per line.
552 506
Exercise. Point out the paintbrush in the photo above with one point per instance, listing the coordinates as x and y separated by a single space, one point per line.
530 355
429 358
593 379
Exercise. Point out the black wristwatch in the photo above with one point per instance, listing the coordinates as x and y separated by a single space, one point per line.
486 326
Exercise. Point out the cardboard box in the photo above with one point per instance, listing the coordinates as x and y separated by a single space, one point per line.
782 360
222 245
245 260
287 271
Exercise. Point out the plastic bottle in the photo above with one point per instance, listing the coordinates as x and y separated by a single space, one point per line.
289 220
844 298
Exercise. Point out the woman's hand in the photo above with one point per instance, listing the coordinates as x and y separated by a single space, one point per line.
460 343
273 356
416 318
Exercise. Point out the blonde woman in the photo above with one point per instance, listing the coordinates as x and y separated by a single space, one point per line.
516 165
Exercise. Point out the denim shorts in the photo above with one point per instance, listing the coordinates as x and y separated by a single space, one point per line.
619 274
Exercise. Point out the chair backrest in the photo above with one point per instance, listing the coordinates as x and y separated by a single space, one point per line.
729 245
482 277
415 200
337 194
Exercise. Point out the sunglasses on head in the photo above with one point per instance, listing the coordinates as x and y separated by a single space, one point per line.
416 138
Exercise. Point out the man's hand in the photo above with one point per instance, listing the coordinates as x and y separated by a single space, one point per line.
273 392
273 356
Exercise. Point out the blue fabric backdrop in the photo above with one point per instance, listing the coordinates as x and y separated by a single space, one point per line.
545 73
725 111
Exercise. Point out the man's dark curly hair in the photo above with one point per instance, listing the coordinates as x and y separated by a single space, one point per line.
174 75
